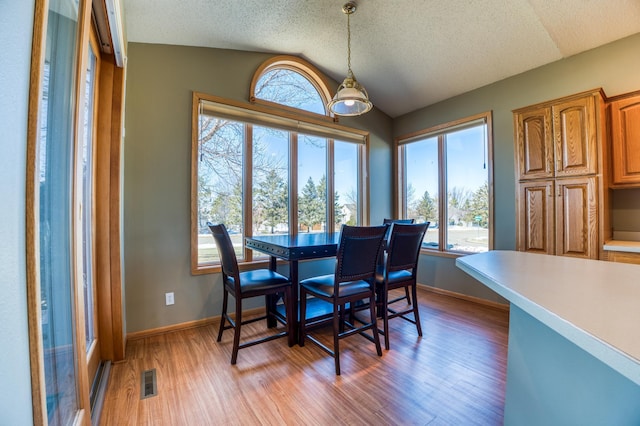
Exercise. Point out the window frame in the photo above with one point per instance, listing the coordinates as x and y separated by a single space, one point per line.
439 131
295 121
304 68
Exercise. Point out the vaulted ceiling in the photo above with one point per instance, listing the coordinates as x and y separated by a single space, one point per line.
407 53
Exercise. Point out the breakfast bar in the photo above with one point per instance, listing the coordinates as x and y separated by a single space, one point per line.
574 336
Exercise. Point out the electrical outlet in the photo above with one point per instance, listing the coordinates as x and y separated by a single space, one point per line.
168 297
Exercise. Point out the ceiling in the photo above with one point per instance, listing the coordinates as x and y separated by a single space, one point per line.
407 53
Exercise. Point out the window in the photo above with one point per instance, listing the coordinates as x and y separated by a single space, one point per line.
445 177
261 170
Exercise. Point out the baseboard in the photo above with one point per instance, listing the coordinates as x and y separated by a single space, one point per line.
185 325
216 320
473 299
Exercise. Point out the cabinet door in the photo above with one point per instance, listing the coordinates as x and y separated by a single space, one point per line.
576 217
534 144
535 217
575 137
625 139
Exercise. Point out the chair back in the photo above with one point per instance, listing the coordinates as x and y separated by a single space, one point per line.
403 249
228 259
358 253
389 222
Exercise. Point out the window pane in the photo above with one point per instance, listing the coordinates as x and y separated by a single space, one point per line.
346 184
467 190
421 180
220 163
312 184
289 88
270 181
55 199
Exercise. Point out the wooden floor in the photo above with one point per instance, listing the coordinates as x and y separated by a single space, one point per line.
453 375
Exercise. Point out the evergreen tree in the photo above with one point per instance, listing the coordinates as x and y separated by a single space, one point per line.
337 207
272 200
310 206
477 206
427 208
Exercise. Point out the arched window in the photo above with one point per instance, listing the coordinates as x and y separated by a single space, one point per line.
292 83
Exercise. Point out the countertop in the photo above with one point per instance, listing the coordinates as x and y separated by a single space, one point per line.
627 246
594 304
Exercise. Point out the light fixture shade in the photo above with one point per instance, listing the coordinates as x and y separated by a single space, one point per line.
351 98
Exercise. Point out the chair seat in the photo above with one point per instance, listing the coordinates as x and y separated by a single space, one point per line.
259 279
323 286
394 277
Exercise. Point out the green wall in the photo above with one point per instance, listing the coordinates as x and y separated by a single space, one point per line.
614 67
160 81
157 170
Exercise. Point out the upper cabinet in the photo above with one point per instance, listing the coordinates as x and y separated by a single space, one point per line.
534 141
574 136
624 114
557 139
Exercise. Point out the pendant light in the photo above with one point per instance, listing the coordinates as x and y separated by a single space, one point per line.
351 97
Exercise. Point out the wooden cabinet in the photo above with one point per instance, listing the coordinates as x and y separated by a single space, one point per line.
558 167
624 114
536 217
559 217
576 217
624 257
557 140
534 142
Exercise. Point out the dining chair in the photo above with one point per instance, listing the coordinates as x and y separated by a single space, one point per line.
389 222
353 280
244 285
400 270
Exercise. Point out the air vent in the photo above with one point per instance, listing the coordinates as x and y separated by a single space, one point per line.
149 387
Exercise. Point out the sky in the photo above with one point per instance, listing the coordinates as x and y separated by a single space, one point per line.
467 164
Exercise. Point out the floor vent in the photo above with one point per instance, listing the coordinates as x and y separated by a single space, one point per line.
149 386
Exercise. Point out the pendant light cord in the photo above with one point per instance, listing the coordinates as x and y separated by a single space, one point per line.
349 43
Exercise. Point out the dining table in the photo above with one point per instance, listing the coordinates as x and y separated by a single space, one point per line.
293 249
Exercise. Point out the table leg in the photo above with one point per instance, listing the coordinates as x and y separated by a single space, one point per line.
271 300
293 276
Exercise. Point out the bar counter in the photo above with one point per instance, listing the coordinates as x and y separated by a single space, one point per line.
574 336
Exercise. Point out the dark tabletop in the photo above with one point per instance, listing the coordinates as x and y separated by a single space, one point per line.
301 246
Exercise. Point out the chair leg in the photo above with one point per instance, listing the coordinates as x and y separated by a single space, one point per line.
406 293
271 301
374 322
236 334
303 316
223 316
288 300
416 311
385 316
336 337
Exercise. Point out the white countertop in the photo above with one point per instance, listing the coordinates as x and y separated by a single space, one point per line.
627 246
594 304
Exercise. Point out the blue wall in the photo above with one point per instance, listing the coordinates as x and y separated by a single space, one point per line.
551 381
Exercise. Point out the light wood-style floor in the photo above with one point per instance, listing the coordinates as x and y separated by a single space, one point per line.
453 375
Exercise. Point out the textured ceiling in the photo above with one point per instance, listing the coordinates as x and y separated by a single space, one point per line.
407 53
